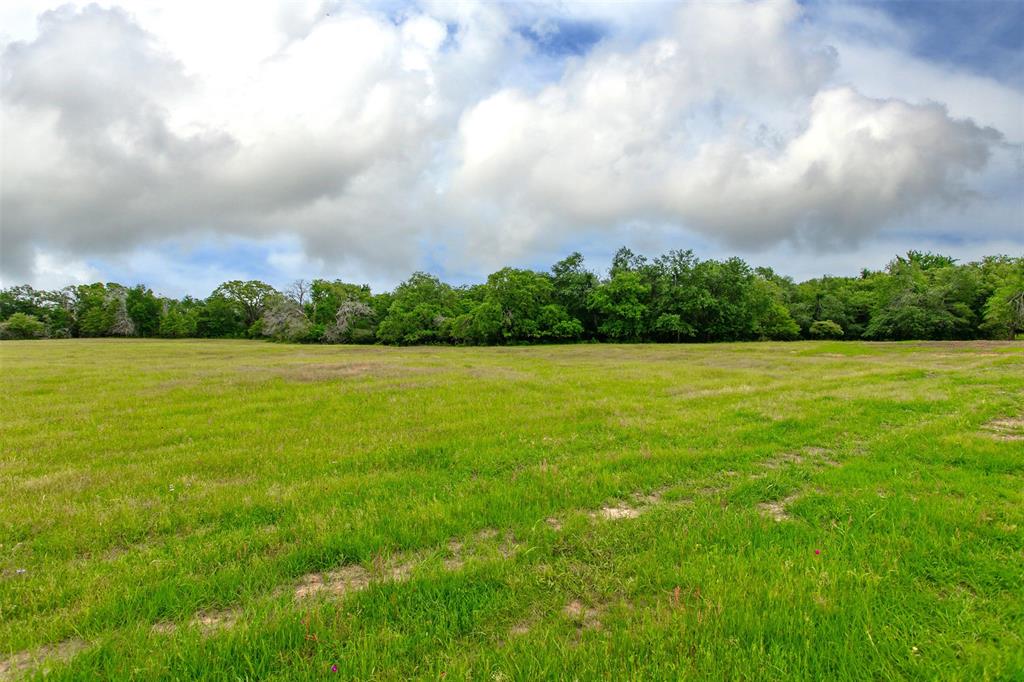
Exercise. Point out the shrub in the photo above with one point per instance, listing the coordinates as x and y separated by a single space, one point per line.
826 329
22 326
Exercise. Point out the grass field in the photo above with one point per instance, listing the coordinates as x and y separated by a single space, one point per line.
248 510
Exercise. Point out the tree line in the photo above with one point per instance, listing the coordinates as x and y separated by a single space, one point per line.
675 297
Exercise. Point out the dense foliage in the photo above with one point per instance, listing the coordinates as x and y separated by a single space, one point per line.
676 297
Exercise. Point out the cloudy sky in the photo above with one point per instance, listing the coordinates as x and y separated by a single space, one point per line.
182 143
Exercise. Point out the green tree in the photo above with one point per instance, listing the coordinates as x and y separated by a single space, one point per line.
178 319
674 296
94 316
1004 309
419 311
625 260
771 316
923 297
144 310
621 304
514 300
219 317
21 299
572 284
249 297
327 296
721 305
556 324
22 326
825 329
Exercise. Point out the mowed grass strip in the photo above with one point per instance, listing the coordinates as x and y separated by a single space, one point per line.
248 510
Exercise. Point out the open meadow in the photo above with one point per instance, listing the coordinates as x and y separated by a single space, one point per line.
247 510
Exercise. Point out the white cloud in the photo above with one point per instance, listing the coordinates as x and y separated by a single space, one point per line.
675 130
370 141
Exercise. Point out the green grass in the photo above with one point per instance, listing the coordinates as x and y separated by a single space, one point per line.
161 503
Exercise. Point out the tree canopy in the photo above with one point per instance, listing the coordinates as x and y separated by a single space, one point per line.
672 298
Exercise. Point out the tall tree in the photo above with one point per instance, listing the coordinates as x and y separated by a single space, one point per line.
1004 309
250 297
143 307
219 317
419 311
572 284
621 304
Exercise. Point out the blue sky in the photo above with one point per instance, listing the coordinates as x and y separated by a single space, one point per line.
986 38
178 145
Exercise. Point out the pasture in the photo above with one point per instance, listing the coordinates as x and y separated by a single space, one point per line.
247 510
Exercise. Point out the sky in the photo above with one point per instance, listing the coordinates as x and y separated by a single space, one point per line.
185 143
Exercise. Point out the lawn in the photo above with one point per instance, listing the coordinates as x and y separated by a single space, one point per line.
247 510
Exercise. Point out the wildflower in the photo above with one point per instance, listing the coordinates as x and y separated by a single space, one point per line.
817 551
334 668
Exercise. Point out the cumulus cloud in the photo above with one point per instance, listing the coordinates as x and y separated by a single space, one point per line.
379 140
118 145
665 133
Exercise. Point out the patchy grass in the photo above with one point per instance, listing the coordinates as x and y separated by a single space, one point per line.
235 510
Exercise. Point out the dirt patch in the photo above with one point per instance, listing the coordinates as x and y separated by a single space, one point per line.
212 621
649 498
616 512
398 569
782 460
164 628
208 622
346 579
816 456
38 660
641 503
553 522
585 617
821 456
1009 428
521 628
508 546
483 543
115 553
776 509
456 561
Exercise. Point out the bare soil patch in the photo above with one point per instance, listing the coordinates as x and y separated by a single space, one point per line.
339 582
616 512
208 622
816 456
776 509
782 459
37 659
1009 428
521 628
400 567
211 621
585 617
